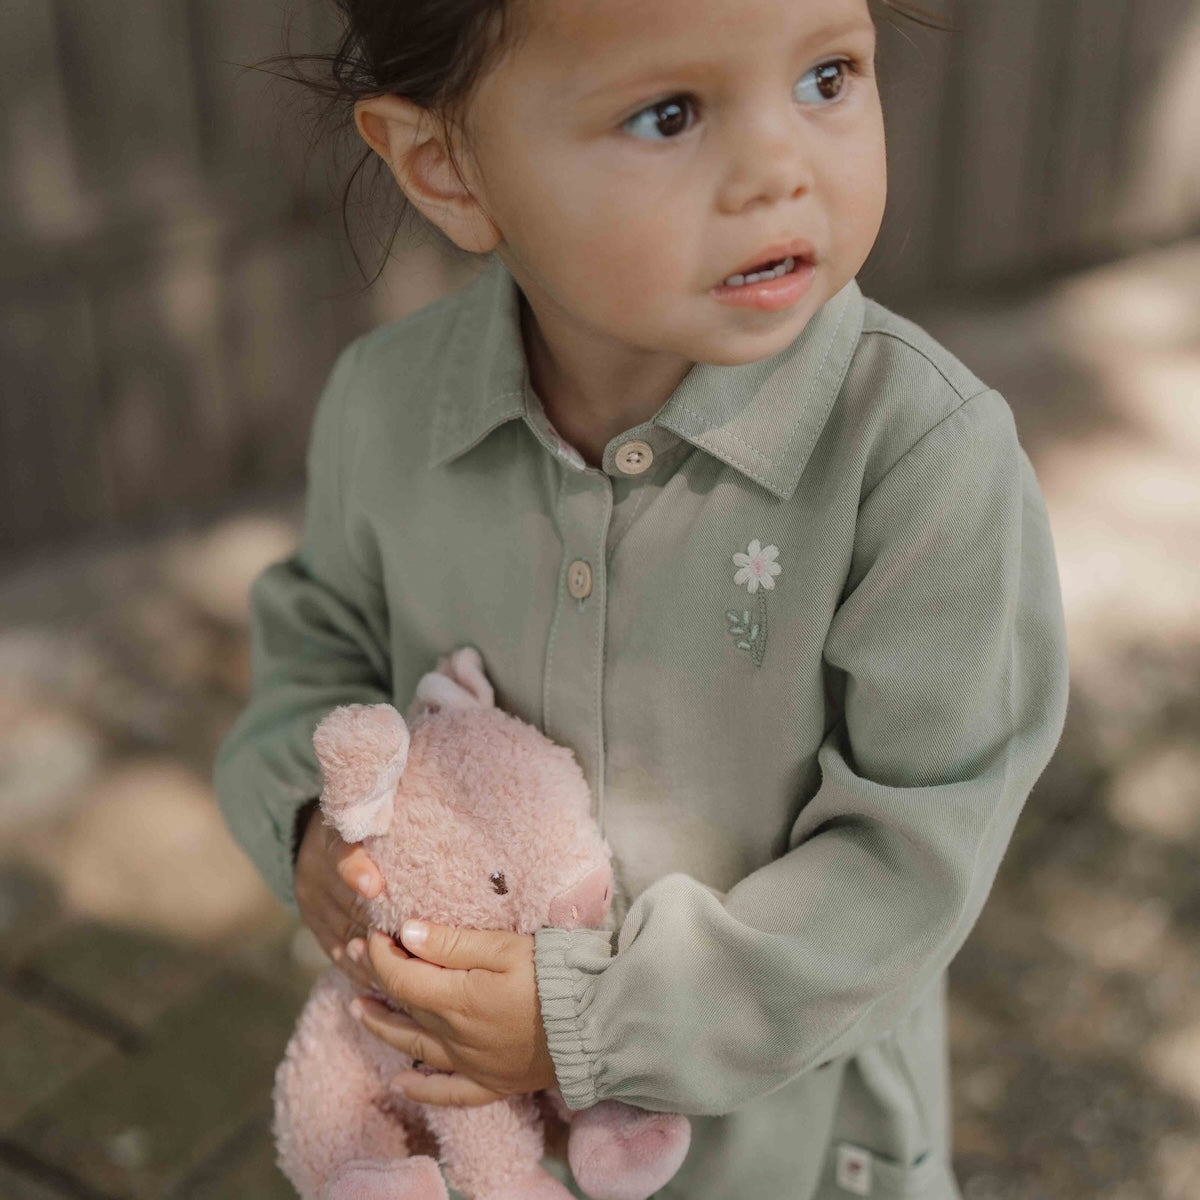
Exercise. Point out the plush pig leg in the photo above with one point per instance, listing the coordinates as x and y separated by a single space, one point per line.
336 1133
410 1179
494 1151
618 1152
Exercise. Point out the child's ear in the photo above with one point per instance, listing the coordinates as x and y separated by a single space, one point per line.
362 750
412 142
459 682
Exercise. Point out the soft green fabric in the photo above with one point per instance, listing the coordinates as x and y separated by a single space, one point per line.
807 788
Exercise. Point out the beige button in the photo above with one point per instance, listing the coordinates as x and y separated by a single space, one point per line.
634 457
579 579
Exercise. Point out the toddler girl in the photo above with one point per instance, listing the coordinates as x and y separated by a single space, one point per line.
765 556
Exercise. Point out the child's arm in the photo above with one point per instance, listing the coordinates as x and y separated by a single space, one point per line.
313 647
949 651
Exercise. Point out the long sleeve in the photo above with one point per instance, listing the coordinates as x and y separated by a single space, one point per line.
946 665
316 642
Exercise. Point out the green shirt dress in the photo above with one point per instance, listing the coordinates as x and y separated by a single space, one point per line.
802 630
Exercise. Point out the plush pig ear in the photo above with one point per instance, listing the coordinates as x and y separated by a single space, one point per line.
458 682
362 749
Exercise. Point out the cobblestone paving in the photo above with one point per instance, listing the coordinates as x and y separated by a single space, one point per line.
148 983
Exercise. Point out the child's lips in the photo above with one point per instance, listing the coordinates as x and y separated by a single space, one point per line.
769 295
799 249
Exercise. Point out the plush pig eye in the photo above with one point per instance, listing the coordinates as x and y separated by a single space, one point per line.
497 878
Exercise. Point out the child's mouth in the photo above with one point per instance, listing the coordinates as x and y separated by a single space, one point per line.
769 270
770 286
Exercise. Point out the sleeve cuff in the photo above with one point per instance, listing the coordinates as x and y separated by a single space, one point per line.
567 964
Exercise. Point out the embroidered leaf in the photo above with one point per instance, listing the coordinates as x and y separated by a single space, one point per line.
749 635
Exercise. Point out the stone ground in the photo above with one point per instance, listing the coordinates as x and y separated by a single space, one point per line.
148 983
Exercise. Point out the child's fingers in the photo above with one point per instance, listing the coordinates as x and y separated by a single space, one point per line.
358 974
358 872
400 1032
355 970
328 901
345 915
356 953
444 1089
411 983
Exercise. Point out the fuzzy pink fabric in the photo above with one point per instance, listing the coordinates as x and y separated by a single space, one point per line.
618 1152
474 818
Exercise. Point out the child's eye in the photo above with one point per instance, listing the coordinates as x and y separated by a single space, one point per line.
822 85
667 117
825 82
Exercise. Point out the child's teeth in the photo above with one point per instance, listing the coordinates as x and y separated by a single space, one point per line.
782 269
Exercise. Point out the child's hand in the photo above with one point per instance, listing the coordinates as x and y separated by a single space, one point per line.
470 1006
332 877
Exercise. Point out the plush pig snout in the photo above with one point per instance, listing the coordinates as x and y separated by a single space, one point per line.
584 904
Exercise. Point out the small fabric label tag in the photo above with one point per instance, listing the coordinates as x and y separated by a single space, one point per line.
854 1169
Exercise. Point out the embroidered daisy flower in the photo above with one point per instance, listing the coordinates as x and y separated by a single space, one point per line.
757 567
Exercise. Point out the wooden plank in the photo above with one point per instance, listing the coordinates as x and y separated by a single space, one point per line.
1159 191
51 480
1082 151
127 72
260 128
39 191
914 65
127 1127
244 1166
43 1053
166 441
243 108
17 1185
998 102
285 301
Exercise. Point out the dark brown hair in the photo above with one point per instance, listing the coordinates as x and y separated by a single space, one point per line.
434 53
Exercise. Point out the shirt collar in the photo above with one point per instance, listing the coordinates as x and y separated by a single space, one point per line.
761 418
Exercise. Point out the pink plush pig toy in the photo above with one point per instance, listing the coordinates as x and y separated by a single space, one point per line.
474 818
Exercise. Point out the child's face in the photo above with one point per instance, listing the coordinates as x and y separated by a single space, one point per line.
636 153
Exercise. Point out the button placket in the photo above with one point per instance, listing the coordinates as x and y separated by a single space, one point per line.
573 684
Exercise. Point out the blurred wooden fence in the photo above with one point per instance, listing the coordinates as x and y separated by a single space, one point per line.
1040 134
173 290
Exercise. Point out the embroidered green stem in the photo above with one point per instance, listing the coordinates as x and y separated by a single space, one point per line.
760 645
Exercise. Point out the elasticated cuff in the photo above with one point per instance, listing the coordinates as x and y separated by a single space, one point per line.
567 964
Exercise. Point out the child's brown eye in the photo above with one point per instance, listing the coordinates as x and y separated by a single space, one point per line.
668 117
497 878
825 82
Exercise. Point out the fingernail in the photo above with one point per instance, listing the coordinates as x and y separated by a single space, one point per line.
414 933
363 883
355 949
356 1009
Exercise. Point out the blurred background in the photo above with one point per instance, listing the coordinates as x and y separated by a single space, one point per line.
174 285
